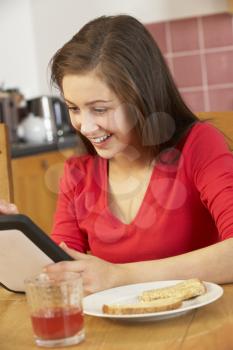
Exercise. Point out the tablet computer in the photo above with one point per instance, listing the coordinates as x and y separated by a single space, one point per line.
24 250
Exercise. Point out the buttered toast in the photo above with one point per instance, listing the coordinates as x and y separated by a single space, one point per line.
183 290
160 299
141 308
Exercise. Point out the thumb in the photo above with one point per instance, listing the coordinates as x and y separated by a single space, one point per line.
73 253
63 245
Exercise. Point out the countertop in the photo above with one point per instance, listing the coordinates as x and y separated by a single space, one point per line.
23 149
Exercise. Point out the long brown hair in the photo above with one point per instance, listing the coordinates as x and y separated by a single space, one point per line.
127 58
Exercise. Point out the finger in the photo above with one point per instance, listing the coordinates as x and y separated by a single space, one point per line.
13 209
63 266
59 276
8 208
3 206
73 253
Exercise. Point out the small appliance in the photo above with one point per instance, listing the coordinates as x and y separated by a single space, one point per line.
55 114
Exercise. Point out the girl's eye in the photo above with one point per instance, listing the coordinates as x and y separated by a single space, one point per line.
100 110
73 109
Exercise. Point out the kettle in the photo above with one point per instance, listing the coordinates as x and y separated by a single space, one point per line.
32 129
55 114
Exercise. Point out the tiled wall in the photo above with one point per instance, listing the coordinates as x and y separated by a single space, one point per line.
199 52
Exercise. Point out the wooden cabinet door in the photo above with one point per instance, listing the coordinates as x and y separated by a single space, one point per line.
230 5
36 180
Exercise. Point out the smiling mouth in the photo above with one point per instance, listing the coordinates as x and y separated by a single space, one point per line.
101 139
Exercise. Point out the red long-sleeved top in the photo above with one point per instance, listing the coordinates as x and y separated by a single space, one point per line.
188 203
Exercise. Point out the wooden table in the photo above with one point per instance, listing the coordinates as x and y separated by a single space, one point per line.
207 328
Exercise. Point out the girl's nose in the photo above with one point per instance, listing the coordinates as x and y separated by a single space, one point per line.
88 125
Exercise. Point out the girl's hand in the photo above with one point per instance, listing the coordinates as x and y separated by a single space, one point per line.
97 274
7 208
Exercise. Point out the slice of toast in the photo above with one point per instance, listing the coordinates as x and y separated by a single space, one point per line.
182 290
142 308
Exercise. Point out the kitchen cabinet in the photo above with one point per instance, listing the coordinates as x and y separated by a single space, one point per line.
230 5
36 180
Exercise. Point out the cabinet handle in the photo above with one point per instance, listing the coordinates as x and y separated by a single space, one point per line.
44 164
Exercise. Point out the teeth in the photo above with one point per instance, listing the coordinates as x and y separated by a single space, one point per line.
100 139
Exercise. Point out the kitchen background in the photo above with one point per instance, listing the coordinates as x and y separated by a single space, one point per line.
196 38
199 51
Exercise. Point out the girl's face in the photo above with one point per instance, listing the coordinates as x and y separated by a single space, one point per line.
99 115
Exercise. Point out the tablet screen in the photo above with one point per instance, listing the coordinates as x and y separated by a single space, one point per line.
24 250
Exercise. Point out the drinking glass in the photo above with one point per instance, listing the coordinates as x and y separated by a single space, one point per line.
55 304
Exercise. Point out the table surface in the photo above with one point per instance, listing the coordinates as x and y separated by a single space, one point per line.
209 327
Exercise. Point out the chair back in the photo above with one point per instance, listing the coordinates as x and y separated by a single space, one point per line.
6 182
221 120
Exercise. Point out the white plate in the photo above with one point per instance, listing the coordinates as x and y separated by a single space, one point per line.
128 294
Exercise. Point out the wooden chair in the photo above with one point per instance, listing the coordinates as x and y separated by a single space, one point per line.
6 181
221 120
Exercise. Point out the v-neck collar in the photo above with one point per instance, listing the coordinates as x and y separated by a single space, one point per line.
106 201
